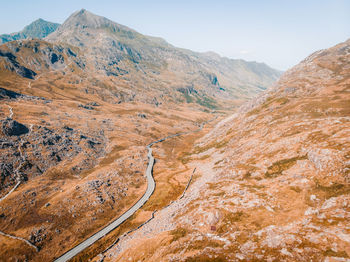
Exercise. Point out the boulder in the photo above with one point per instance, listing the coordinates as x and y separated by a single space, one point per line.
13 128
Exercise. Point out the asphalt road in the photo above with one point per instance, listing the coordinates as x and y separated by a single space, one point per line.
150 189
114 224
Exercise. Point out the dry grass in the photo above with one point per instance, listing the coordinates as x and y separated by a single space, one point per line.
178 233
278 167
168 171
331 253
296 189
229 219
206 258
215 144
333 190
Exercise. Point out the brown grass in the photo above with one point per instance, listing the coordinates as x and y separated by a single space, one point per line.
333 190
206 258
229 219
278 167
178 233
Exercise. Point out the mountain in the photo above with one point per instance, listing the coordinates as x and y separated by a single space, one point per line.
77 111
272 181
117 50
38 29
149 66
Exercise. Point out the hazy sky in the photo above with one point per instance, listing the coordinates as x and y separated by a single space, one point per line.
277 32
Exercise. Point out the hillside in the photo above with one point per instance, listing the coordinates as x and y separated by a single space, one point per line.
272 181
38 29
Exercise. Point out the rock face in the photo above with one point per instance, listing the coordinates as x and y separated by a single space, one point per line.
13 128
4 93
38 29
274 181
13 65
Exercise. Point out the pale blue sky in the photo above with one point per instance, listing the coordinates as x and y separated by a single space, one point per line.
277 32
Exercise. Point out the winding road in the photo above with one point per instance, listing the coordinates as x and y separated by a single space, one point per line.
149 191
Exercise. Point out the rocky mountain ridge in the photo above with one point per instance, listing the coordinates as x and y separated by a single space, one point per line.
114 47
108 50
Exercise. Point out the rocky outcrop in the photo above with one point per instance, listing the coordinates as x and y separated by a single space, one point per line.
11 127
36 151
13 65
8 94
43 57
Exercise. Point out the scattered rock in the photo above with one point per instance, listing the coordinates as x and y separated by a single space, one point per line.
142 116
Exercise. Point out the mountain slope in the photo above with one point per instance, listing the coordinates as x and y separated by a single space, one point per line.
273 181
37 29
117 50
153 71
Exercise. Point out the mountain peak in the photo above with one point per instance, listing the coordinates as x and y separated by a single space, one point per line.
85 18
39 22
39 28
83 12
82 24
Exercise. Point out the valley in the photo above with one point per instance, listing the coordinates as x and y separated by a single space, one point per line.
118 146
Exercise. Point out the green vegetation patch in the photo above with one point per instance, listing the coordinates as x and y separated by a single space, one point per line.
218 162
296 189
189 99
204 157
206 101
202 244
268 102
254 112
